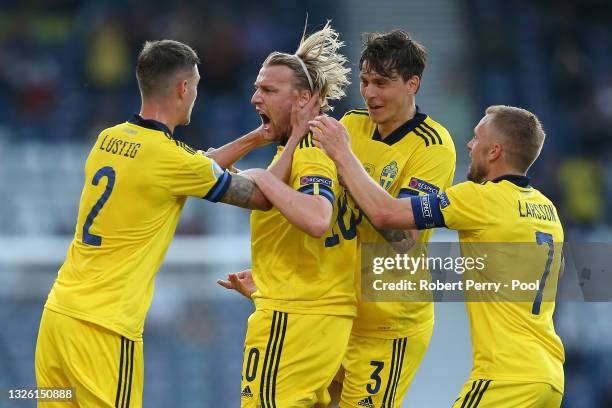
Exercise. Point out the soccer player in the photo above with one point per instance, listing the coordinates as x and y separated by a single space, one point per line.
517 356
408 153
137 178
302 264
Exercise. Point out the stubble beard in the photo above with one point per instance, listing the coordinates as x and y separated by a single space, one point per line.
476 173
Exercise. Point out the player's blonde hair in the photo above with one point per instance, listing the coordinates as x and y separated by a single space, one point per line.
522 133
318 53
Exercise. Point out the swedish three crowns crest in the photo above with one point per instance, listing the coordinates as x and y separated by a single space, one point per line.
388 174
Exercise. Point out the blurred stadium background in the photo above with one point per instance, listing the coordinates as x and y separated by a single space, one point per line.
66 72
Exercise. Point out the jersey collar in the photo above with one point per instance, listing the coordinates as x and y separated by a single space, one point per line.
399 133
521 181
136 119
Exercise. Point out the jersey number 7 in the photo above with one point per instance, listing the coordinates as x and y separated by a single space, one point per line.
543 238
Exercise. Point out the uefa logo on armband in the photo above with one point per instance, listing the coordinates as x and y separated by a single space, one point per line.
423 186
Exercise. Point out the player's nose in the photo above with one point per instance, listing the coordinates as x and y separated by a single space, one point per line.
470 145
256 98
368 92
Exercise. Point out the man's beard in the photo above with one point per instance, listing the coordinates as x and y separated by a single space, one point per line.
476 173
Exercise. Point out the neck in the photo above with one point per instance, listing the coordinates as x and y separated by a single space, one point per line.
385 129
158 111
502 171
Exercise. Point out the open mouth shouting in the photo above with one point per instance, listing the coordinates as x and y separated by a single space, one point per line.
265 120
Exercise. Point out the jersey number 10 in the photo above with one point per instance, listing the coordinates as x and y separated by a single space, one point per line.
348 232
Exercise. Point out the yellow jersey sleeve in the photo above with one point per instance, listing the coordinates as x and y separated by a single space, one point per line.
313 172
461 208
191 173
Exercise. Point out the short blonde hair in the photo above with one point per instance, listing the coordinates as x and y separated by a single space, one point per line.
522 133
326 67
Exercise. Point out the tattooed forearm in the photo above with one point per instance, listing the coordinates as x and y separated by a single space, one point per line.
243 192
394 235
239 191
401 240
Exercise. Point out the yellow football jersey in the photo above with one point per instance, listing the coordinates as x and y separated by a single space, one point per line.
517 227
295 272
417 158
137 178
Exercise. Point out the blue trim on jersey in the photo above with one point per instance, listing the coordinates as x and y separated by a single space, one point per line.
519 180
426 211
149 124
323 191
399 133
218 190
407 192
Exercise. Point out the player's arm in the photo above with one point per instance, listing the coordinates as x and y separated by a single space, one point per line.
384 211
401 240
310 213
243 192
233 151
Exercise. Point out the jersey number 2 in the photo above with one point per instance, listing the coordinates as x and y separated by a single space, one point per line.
109 173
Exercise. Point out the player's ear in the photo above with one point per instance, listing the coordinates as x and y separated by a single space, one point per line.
495 151
413 83
182 88
304 97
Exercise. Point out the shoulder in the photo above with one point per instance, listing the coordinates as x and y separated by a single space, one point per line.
307 143
308 152
468 188
435 135
115 130
357 112
358 124
543 197
355 117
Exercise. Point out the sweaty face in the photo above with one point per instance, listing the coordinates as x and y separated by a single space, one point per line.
387 98
273 98
191 94
478 148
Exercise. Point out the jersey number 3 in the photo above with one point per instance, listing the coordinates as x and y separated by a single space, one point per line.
109 173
